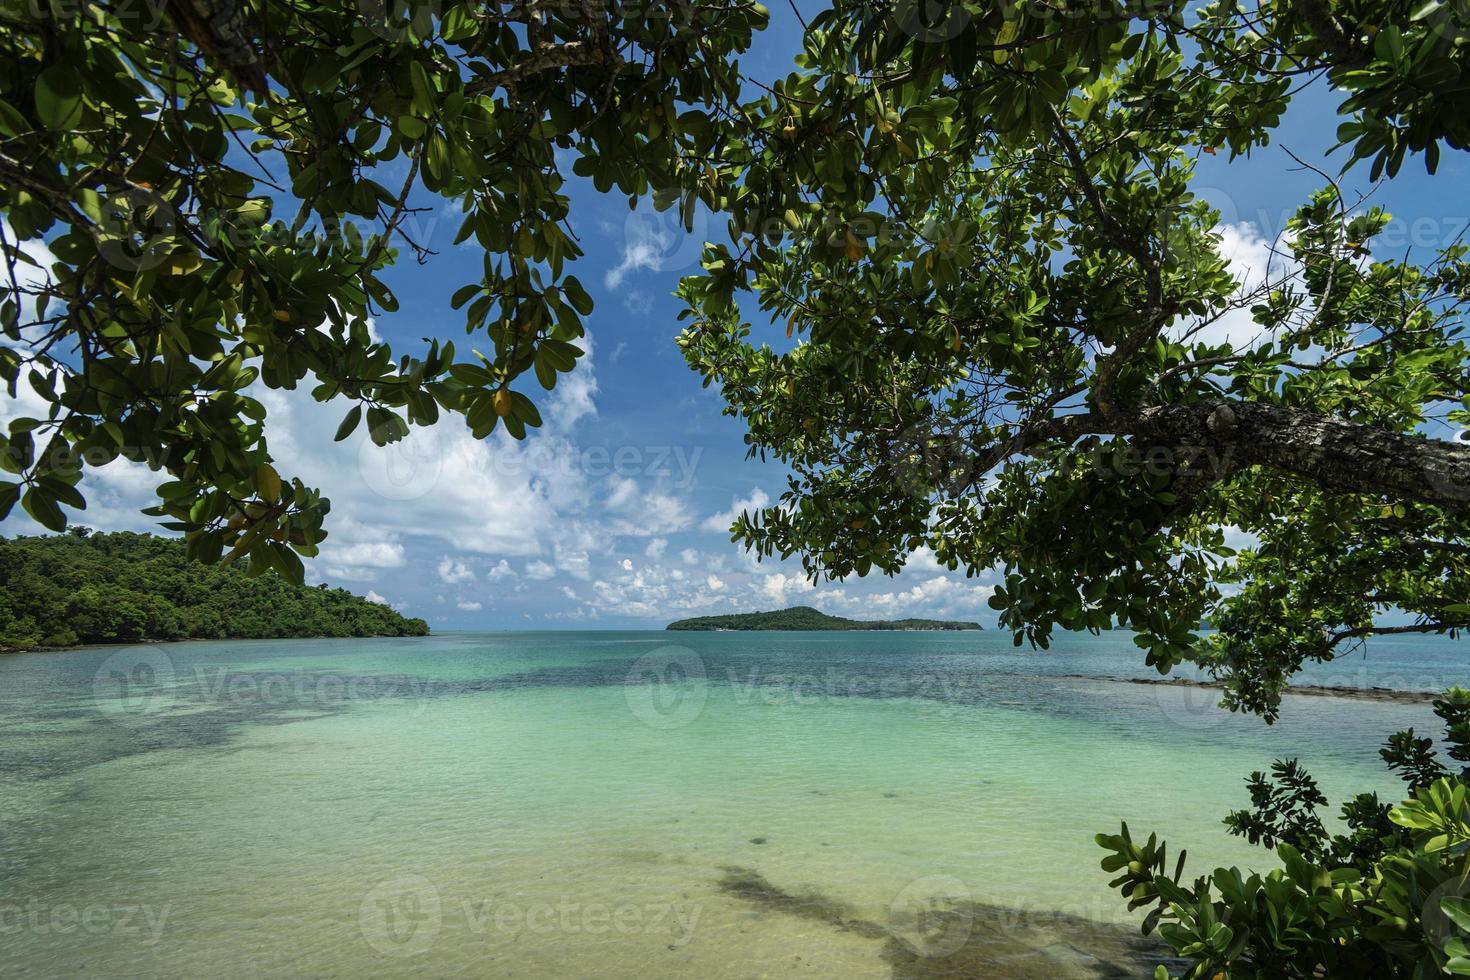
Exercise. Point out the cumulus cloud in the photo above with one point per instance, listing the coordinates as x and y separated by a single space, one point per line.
722 521
539 570
640 254
577 564
656 548
638 512
453 571
468 606
501 570
374 597
779 587
1255 265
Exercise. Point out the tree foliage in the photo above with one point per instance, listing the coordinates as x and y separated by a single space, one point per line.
1387 899
128 588
1005 308
223 185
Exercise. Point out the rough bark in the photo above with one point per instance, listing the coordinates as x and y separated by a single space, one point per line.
1334 453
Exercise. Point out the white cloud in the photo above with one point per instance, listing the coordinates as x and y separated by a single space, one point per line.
539 570
640 254
938 596
656 548
779 587
722 521
29 276
689 556
577 564
1255 265
453 572
374 597
715 583
469 606
626 565
501 570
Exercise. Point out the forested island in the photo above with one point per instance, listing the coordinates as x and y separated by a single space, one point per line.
807 618
82 587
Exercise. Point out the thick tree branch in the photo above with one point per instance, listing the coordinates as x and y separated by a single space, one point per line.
1317 14
1334 453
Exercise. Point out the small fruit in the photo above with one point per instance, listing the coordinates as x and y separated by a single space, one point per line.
502 402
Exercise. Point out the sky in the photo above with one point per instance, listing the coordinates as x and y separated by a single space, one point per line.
616 512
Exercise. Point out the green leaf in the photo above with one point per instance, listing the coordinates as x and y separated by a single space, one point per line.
349 423
268 482
59 96
1458 909
42 507
581 302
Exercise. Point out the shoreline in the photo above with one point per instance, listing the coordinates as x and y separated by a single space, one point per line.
155 641
1386 695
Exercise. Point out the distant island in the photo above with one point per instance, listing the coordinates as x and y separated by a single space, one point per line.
807 618
82 587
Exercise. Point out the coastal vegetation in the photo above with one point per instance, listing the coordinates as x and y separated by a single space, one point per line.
993 308
58 590
996 324
1387 897
807 618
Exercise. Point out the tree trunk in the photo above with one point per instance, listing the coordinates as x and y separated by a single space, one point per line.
1333 453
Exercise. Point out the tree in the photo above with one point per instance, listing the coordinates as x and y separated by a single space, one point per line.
57 590
223 182
1005 306
1388 899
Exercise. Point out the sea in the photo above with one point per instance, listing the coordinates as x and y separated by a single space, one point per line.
633 804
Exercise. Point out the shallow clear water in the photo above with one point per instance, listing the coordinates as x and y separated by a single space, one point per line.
624 804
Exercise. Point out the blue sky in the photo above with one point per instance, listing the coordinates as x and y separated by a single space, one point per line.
614 514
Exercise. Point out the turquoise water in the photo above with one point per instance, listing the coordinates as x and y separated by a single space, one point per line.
624 804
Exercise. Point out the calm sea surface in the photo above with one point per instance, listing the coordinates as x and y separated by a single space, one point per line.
626 804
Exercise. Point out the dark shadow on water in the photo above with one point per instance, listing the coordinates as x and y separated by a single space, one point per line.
974 941
750 885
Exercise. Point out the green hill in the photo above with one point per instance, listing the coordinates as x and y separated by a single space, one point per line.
72 588
807 618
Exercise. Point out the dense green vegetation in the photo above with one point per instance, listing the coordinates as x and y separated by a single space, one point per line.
992 323
223 186
124 588
973 235
1388 898
807 618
